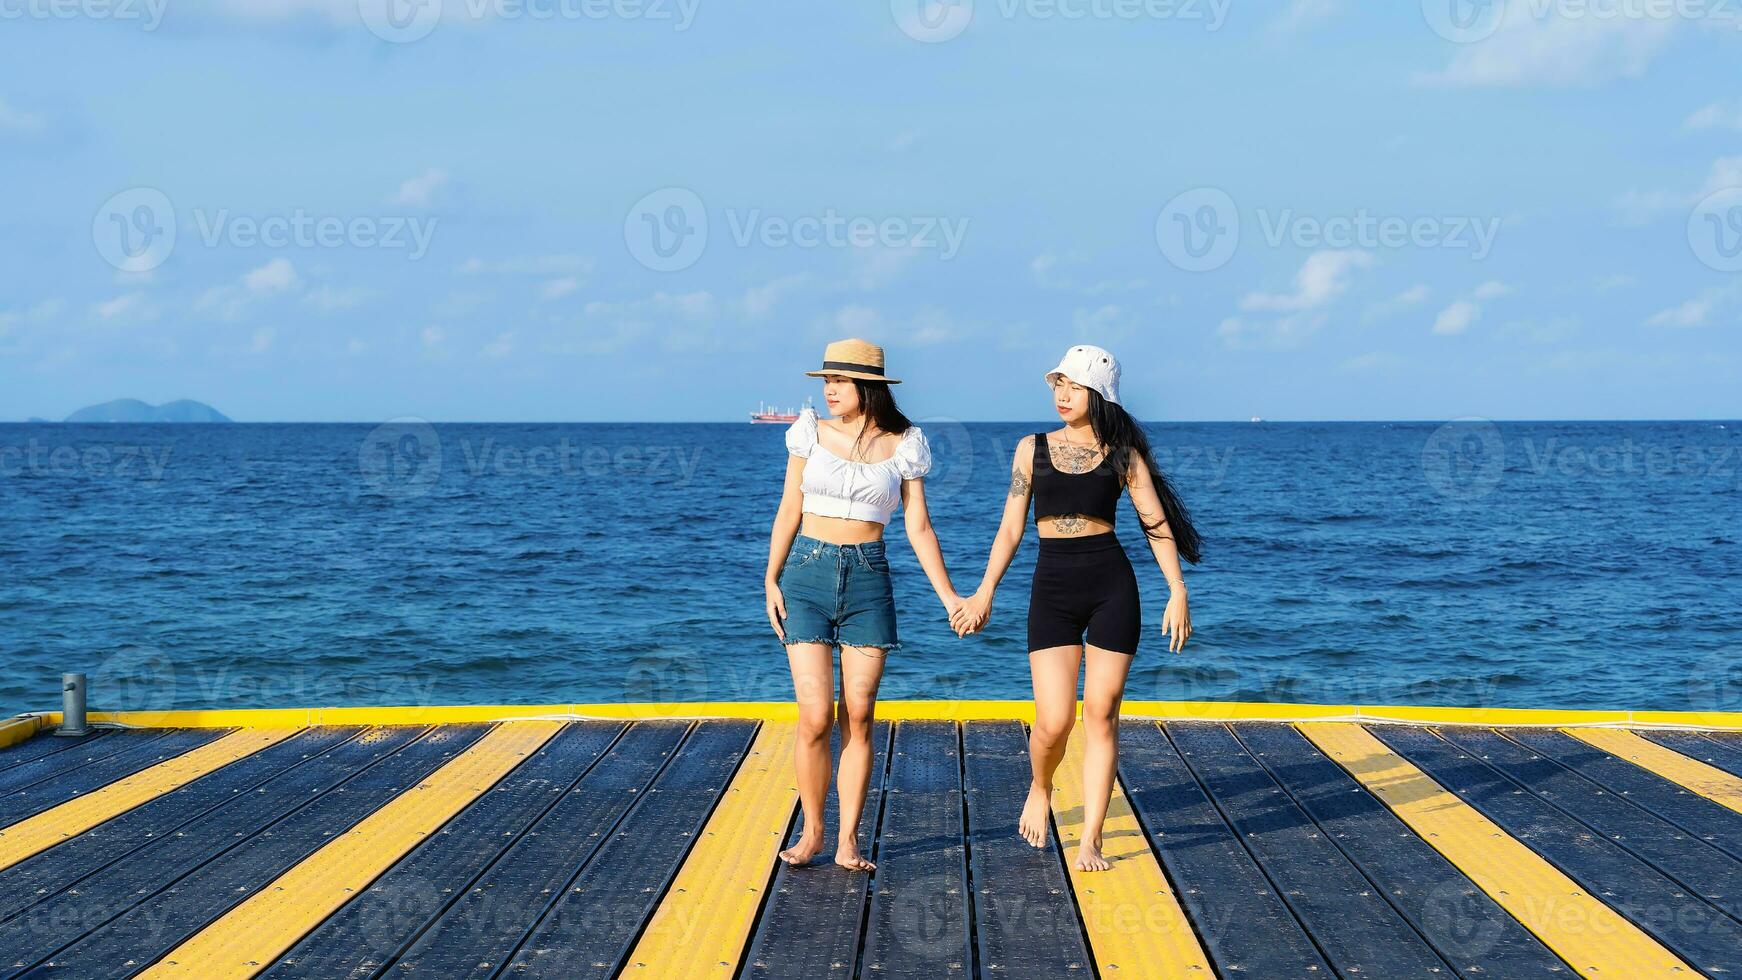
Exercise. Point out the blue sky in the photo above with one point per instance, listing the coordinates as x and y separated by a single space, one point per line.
503 218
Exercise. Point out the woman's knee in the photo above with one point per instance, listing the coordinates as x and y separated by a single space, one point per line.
1100 715
814 722
1052 728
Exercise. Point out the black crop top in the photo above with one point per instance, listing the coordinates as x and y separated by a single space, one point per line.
1094 493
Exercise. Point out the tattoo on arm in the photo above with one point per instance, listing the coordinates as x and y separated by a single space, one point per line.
1018 483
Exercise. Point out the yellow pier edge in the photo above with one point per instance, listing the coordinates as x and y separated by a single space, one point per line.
785 711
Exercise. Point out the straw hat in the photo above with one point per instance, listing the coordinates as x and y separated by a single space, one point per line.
854 358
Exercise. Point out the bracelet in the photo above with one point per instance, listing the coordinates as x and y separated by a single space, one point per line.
1179 583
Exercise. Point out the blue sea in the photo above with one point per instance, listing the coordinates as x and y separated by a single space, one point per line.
1525 564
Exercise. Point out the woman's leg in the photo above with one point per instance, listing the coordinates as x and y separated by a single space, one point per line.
861 672
1103 690
813 683
1055 705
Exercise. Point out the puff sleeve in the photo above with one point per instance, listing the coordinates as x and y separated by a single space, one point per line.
913 455
801 435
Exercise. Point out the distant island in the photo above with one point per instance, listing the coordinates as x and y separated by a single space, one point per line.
134 410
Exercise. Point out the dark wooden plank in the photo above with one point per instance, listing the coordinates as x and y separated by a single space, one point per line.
1458 918
1714 749
52 792
1354 926
53 765
370 931
480 932
136 939
920 913
1025 919
1682 922
1709 820
823 902
65 864
1679 855
595 922
61 919
46 743
1245 926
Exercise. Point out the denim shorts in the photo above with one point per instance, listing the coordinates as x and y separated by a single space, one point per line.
838 594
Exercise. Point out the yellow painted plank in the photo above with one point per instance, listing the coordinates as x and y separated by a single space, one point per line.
15 730
251 936
1595 940
700 929
1135 925
74 817
1708 781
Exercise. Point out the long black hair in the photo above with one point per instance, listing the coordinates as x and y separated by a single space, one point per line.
877 407
1115 429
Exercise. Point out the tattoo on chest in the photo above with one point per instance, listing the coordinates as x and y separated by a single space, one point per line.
1075 459
1070 523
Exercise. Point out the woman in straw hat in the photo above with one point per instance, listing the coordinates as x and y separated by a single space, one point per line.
828 578
1083 582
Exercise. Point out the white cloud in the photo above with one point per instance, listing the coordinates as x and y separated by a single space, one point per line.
1323 277
17 122
1718 115
558 288
1413 296
759 301
1106 322
1639 207
856 321
1282 333
230 302
434 341
694 306
1301 13
356 346
876 266
1616 281
501 347
127 306
903 140
1696 312
420 191
326 299
1457 317
1376 362
262 340
1556 49
1052 272
1492 289
559 264
274 277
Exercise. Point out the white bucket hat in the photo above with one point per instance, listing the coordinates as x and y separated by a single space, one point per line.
1092 367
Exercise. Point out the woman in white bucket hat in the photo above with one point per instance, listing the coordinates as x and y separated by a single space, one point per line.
828 581
1084 584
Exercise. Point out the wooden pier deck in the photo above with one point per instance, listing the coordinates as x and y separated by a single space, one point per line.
1264 841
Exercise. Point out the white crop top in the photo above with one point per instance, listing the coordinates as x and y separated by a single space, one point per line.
836 487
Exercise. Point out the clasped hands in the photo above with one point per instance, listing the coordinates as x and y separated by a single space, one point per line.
969 615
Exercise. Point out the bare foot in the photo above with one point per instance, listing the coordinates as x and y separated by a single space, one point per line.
848 856
1089 856
1032 825
807 847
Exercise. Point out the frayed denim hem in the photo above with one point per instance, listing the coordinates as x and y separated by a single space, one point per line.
885 647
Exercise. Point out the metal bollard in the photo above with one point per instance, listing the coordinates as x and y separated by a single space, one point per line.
72 715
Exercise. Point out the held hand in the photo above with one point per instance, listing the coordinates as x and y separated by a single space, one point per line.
1176 622
973 614
776 610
